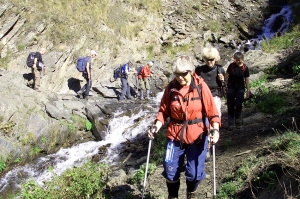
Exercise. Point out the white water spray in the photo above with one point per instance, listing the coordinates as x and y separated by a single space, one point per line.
120 130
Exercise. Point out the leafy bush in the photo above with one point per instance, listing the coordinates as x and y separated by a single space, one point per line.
158 148
2 165
139 175
268 100
258 82
296 68
88 125
81 182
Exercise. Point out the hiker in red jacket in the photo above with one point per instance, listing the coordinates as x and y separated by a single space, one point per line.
143 77
186 100
237 76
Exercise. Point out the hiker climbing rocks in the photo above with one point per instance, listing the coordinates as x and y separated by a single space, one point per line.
38 68
237 76
87 74
186 101
124 81
143 77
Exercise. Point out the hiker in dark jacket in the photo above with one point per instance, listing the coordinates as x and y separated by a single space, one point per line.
237 76
88 74
37 69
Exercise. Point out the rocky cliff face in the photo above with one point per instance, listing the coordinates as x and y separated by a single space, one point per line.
54 117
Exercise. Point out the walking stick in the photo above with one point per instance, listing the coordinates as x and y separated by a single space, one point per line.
147 163
214 170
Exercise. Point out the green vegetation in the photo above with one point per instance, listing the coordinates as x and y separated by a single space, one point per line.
158 148
173 50
139 175
258 82
284 150
17 160
88 125
296 68
87 181
268 100
8 127
35 151
71 128
2 165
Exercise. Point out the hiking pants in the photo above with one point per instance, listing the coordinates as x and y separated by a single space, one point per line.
218 104
125 89
195 157
144 84
37 74
235 99
87 87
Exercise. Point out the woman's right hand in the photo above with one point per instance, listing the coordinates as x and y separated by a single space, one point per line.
151 131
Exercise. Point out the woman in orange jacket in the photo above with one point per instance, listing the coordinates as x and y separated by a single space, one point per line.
187 100
143 77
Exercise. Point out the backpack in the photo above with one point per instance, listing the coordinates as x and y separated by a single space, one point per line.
81 64
139 69
30 59
118 72
232 67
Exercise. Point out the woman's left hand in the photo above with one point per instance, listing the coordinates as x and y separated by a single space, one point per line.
214 135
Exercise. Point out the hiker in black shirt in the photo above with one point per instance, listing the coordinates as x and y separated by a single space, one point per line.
212 74
37 68
237 76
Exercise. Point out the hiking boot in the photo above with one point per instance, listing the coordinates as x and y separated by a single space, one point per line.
172 197
147 98
191 195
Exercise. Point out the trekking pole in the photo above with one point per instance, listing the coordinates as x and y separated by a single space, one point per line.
147 163
214 168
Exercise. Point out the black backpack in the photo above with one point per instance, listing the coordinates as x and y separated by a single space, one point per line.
30 59
118 72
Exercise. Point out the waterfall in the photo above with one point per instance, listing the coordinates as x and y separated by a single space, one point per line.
276 24
120 129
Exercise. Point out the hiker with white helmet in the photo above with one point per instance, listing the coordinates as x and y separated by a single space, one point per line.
143 77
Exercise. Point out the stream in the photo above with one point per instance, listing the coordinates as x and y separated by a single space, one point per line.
120 130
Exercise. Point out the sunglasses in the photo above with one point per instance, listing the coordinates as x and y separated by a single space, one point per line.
211 60
181 74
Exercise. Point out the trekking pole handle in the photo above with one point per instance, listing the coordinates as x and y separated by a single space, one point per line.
212 132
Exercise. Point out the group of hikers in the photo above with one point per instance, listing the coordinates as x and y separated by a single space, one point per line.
192 101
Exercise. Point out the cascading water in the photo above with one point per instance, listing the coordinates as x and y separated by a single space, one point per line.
276 24
120 130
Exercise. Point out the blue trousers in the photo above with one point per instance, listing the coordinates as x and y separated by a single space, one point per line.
195 155
125 89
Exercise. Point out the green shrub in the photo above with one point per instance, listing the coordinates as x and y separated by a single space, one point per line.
2 165
296 68
88 125
258 82
268 100
158 148
139 175
80 182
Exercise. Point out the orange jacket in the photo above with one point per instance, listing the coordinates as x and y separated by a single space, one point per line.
145 72
188 108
